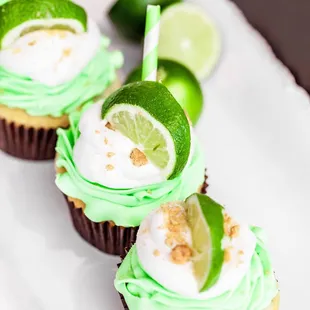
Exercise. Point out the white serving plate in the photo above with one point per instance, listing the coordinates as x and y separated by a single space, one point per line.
256 135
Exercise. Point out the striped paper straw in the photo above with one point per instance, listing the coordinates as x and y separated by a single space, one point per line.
151 38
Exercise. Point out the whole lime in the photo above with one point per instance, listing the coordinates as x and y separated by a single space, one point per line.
128 16
181 82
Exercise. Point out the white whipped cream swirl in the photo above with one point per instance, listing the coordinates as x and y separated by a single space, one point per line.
154 255
52 57
102 155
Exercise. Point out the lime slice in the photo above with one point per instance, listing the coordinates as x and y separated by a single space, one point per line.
182 84
190 37
148 114
128 16
19 17
3 1
206 221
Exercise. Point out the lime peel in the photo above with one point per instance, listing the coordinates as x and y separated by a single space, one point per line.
190 37
206 221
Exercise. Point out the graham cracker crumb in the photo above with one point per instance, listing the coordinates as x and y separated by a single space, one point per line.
106 141
109 167
97 131
234 232
181 254
240 252
175 223
110 154
227 255
138 158
231 229
145 230
156 253
108 125
32 43
17 50
66 52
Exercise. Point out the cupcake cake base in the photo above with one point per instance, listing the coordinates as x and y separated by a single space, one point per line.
33 137
106 236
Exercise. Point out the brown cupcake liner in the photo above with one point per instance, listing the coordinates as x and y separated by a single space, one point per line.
105 236
123 302
27 143
273 306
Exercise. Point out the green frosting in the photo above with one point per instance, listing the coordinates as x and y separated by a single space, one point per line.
255 292
125 207
37 99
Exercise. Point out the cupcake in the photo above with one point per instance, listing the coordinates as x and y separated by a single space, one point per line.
193 255
123 157
53 60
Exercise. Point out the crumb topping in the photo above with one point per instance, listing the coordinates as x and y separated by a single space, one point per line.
17 50
97 131
156 253
145 230
32 43
67 52
234 231
177 227
138 158
109 126
106 141
110 154
109 167
181 254
231 228
227 255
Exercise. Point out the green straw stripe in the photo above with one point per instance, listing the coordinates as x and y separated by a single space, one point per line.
149 64
152 17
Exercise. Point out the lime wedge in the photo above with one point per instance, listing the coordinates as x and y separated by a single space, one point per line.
182 84
19 17
148 114
206 221
190 37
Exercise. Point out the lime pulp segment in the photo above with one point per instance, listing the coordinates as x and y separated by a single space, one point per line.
189 36
141 131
